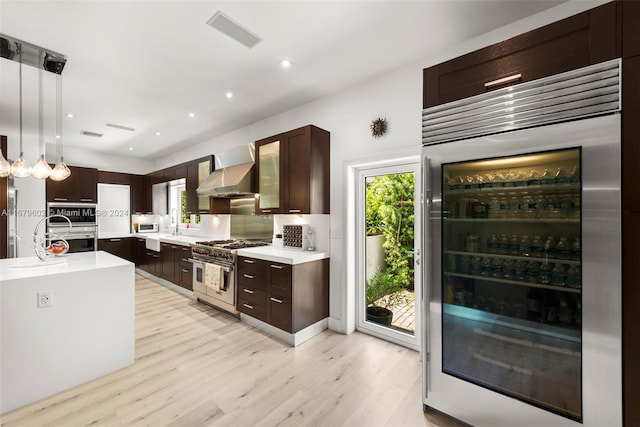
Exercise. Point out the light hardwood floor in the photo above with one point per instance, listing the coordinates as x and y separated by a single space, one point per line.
196 366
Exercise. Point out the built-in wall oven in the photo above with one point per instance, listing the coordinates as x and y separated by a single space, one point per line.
82 234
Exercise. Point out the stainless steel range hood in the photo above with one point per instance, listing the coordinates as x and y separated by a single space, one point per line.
233 176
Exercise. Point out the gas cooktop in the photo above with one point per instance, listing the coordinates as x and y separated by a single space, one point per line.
233 244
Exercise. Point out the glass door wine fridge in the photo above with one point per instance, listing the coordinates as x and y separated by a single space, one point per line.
522 299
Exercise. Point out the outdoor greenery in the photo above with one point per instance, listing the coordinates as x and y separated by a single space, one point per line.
384 290
390 212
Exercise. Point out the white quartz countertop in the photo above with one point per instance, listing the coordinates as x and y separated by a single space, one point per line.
20 268
285 256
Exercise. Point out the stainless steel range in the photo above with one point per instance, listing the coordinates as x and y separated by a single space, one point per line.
214 272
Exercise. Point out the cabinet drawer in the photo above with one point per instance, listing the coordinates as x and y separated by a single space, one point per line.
250 266
280 279
251 294
279 312
251 308
250 280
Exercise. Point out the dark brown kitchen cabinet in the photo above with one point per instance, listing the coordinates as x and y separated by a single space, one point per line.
152 262
138 248
578 41
292 172
81 186
120 247
289 297
106 177
251 283
140 194
184 269
167 254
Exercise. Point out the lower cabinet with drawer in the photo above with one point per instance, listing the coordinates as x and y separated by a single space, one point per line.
289 297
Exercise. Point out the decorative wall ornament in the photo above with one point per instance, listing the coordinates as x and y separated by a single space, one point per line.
379 127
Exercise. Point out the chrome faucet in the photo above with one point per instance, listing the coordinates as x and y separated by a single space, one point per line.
175 231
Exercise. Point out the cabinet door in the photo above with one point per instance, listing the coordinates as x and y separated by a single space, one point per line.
120 247
153 262
184 269
186 275
269 171
140 203
85 184
279 312
578 41
60 191
139 248
168 263
297 177
279 279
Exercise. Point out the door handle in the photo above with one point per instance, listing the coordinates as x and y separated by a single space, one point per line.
279 301
248 276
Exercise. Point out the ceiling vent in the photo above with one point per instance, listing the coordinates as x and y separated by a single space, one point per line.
231 28
87 133
111 125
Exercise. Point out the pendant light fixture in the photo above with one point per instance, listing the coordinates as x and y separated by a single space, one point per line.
20 168
41 170
60 171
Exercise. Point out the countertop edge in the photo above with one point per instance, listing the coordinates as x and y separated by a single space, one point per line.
285 256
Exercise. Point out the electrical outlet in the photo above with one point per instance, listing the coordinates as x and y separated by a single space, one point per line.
45 299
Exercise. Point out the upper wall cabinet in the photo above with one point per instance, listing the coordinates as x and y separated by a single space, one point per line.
81 186
197 171
578 41
292 172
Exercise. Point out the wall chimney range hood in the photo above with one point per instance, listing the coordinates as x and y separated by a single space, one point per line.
232 181
233 174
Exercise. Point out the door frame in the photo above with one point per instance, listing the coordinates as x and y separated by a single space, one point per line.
383 167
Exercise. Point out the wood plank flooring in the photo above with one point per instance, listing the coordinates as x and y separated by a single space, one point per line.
196 366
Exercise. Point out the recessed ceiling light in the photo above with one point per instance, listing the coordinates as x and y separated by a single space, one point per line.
158 133
285 63
192 115
229 95
69 115
130 148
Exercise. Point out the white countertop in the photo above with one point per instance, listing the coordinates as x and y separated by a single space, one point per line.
20 268
285 256
169 238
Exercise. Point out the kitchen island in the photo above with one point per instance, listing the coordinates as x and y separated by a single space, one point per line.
63 322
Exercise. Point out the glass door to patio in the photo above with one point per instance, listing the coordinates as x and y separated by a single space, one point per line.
388 252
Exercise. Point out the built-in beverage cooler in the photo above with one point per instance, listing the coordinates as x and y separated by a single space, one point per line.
523 276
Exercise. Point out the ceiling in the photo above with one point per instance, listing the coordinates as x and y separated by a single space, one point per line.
146 65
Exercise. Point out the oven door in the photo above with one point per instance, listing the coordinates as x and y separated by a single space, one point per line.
226 291
79 242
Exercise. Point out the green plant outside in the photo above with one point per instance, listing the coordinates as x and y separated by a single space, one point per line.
383 290
390 211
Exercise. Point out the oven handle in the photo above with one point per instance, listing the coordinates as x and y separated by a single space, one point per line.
225 268
73 236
